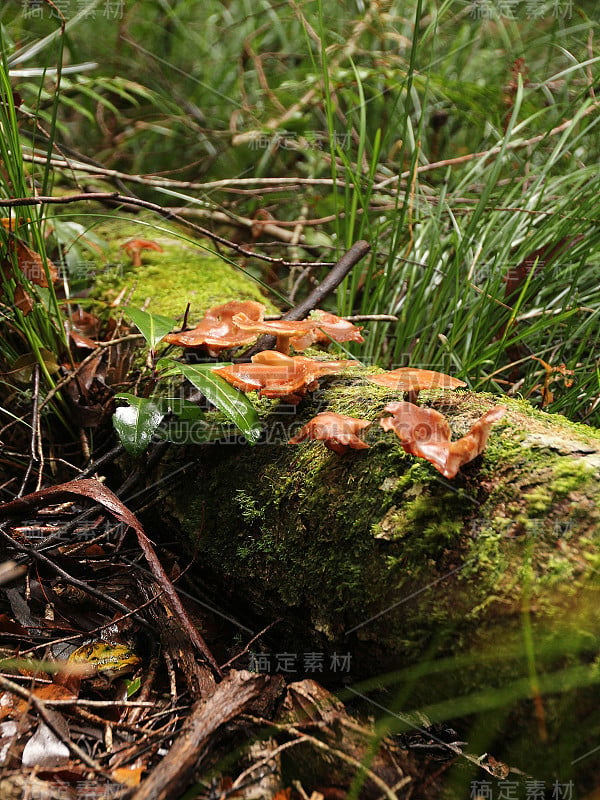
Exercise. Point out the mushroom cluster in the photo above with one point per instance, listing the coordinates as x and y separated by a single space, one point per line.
240 323
275 375
426 433
217 331
423 432
320 328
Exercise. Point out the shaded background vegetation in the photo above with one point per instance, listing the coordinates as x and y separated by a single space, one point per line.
349 96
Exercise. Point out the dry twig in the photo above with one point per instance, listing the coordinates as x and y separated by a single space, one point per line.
331 281
229 700
119 199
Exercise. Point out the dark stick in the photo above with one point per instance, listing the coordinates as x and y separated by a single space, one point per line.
332 280
94 466
231 698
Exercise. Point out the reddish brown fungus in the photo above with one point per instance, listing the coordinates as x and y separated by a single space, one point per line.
413 423
274 374
426 433
217 331
312 367
326 327
411 380
283 382
321 328
283 329
134 247
338 432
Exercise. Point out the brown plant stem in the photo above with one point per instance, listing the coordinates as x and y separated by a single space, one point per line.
116 198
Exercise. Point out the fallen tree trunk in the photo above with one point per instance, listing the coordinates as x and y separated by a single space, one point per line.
474 593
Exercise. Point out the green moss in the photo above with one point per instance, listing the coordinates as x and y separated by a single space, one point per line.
431 518
248 507
569 477
186 271
564 477
539 500
558 570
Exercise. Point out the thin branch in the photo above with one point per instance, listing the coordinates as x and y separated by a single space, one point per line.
331 281
244 776
354 762
170 183
107 458
116 198
302 736
228 218
78 701
372 318
250 643
493 151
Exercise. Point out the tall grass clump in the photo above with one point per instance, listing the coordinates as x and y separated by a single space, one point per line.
33 337
465 150
489 246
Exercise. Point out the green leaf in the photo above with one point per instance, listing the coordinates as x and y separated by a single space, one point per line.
136 423
168 367
153 327
183 408
233 403
133 686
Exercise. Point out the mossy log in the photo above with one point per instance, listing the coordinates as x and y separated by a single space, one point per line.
473 593
185 270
